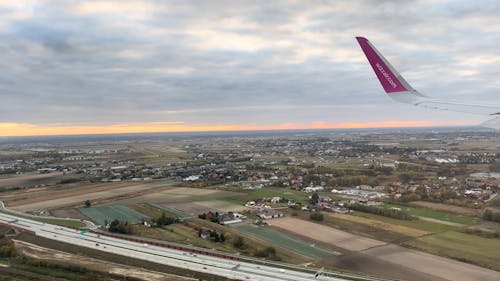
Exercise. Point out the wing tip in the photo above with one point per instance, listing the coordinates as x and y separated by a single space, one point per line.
360 38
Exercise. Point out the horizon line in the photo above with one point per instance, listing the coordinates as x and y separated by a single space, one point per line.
229 128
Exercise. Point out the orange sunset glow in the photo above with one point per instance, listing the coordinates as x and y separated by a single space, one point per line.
25 129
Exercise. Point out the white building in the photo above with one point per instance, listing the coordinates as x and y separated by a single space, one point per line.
313 189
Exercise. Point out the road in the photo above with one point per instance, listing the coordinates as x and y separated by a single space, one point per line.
212 265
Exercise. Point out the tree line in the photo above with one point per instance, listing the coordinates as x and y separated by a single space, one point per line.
392 213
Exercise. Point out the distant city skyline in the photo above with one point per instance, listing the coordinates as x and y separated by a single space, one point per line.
93 67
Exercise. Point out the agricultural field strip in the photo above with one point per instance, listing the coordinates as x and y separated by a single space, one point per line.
108 213
191 191
476 249
291 243
222 205
447 208
441 267
325 234
22 179
128 212
55 192
400 229
437 215
442 222
59 202
174 211
179 195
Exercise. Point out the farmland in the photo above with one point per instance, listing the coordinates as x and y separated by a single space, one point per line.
478 250
142 177
286 241
220 205
428 226
172 194
54 200
104 214
447 208
187 233
400 229
370 227
29 180
246 195
171 210
437 215
325 234
436 267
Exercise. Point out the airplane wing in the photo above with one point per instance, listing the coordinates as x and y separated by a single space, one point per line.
400 90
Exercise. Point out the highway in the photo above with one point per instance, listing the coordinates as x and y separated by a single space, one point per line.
196 262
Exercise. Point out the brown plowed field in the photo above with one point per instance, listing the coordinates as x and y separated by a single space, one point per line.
325 234
69 198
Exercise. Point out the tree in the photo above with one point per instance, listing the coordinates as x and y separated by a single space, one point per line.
222 237
164 220
239 242
88 204
268 252
120 227
316 216
315 198
404 178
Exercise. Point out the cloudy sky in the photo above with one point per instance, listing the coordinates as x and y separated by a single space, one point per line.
132 66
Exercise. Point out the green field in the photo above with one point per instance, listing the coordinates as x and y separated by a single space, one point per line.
287 193
286 241
63 222
173 211
102 214
474 249
418 224
56 221
423 212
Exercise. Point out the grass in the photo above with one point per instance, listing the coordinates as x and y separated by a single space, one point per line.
418 224
470 248
287 193
102 214
3 176
56 221
173 233
444 216
168 210
389 227
286 241
55 273
62 222
186 234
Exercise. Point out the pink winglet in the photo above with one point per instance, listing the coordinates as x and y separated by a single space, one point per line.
388 79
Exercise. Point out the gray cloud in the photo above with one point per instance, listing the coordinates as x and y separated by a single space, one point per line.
235 62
